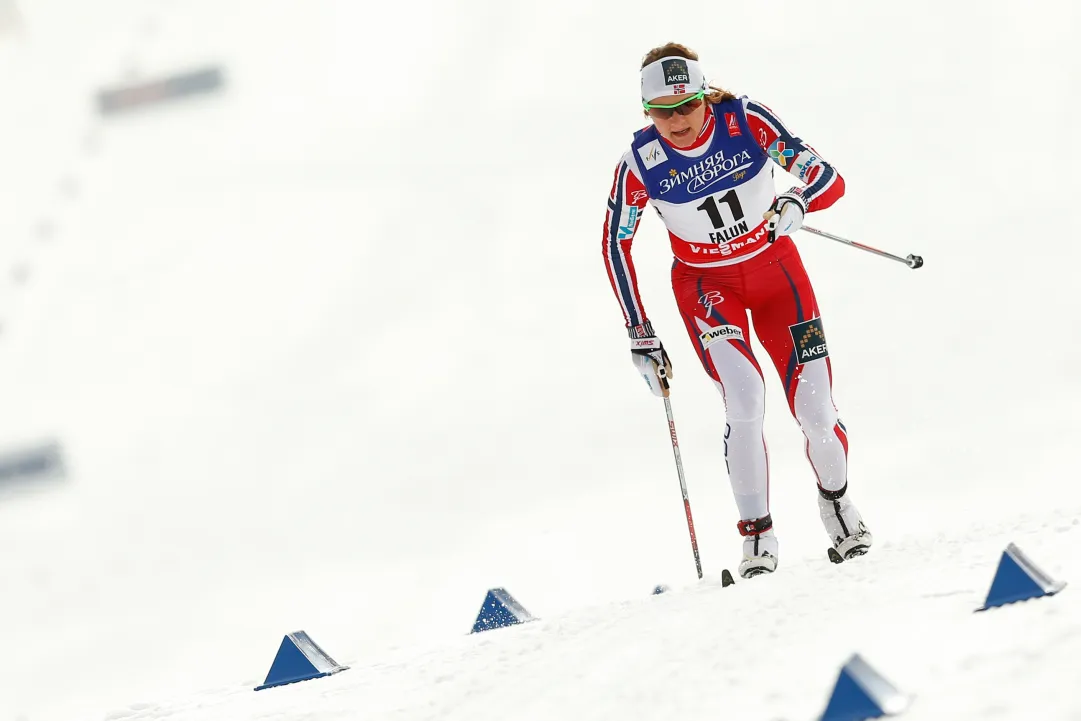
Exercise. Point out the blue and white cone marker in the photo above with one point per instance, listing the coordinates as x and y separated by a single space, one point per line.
498 610
863 693
1018 579
299 659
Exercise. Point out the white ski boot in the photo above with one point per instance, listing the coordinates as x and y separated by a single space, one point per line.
844 526
759 547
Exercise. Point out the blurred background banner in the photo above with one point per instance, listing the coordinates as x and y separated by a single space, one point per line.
9 18
155 92
42 461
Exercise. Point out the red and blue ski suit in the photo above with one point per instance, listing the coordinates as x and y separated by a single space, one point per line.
712 197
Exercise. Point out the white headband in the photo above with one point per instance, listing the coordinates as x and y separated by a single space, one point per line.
672 76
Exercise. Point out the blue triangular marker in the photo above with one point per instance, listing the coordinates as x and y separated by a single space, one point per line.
862 693
1018 579
498 610
299 659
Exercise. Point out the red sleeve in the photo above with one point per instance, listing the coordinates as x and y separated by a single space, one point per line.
824 185
626 203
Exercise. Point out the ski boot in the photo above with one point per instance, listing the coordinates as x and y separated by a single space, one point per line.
844 525
759 547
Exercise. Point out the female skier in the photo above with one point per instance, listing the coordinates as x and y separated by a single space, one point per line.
705 165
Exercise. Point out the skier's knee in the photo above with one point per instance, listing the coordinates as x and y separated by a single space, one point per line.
817 421
743 401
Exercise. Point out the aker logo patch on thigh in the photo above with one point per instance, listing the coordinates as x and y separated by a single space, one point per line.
721 332
809 340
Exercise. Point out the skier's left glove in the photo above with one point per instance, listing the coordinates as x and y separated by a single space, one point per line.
650 358
785 216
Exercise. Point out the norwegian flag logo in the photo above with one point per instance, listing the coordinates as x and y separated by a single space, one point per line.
679 89
732 122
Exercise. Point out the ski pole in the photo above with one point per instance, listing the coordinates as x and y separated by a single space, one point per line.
682 482
912 261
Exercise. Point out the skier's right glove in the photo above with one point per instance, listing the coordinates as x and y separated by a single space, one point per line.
650 358
786 214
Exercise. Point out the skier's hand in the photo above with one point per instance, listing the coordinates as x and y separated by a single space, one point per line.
785 216
650 359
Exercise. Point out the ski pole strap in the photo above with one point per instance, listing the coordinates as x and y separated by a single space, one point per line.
755 526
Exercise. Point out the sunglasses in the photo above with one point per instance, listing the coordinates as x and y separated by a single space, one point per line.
683 107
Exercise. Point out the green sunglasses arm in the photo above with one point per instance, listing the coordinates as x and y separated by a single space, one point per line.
697 96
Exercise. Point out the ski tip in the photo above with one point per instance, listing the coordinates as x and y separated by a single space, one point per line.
726 578
834 556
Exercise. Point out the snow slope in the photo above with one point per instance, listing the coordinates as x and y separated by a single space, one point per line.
700 652
312 373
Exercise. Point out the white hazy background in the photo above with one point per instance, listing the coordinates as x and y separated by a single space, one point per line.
335 349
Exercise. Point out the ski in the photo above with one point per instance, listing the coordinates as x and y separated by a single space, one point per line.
726 578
